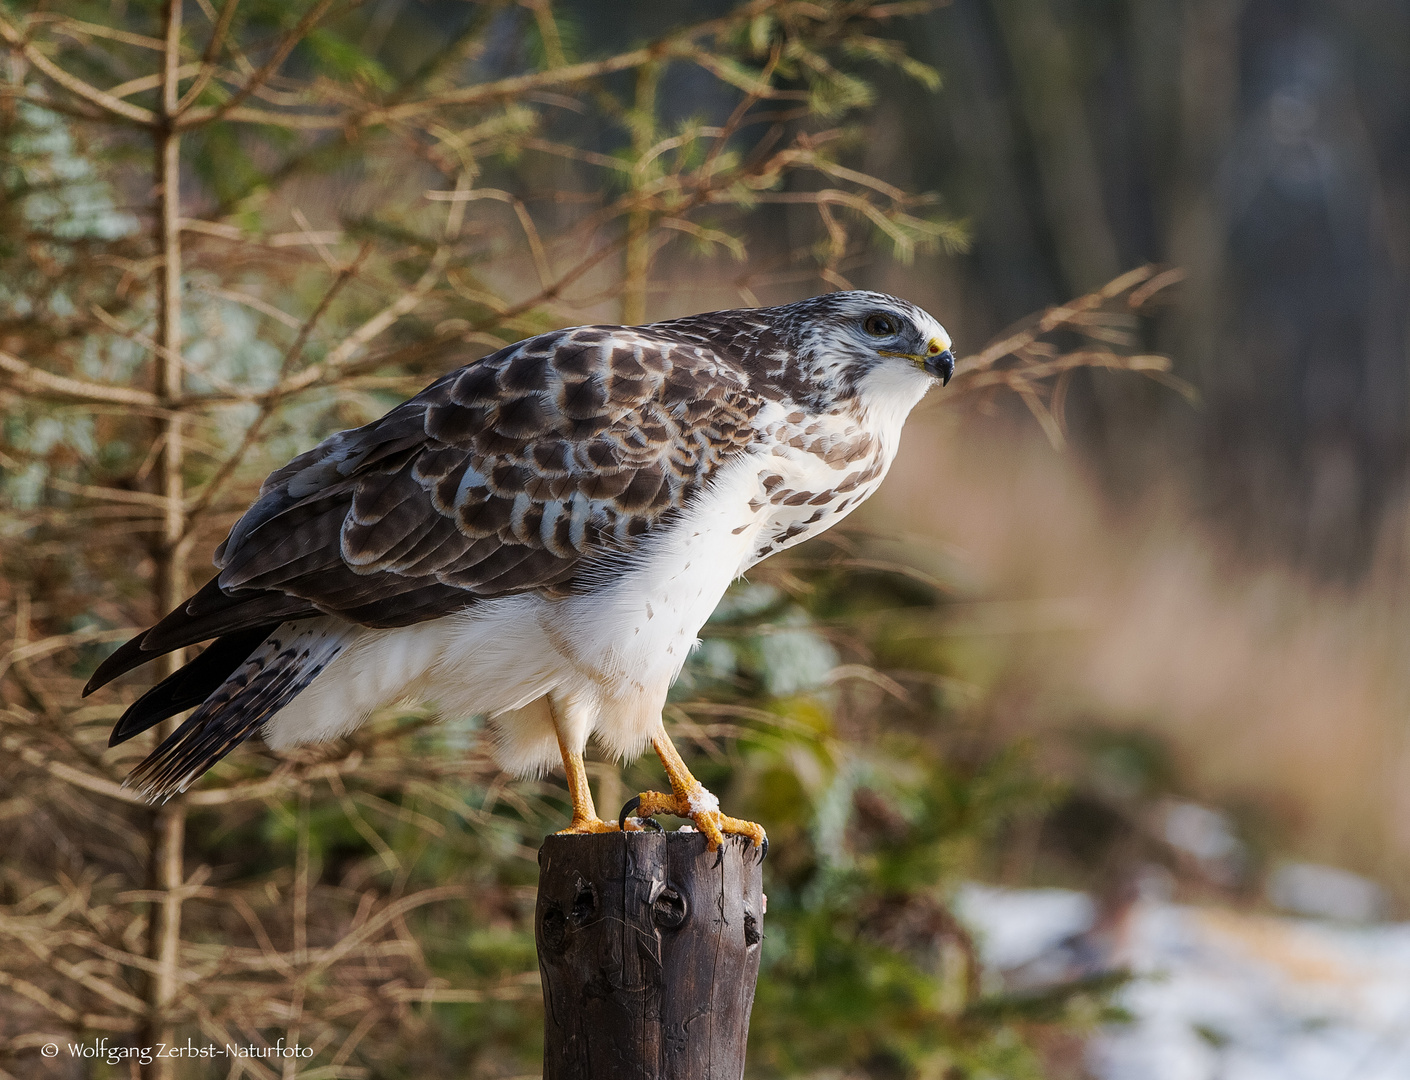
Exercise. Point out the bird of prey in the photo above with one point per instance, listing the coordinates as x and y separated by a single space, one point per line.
538 537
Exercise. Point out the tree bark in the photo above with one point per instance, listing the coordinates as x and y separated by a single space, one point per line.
649 950
167 867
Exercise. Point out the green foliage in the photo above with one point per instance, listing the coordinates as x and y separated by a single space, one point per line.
864 969
338 58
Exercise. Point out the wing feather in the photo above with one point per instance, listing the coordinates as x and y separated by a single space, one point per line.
512 474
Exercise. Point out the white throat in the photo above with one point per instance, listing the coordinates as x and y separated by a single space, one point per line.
887 394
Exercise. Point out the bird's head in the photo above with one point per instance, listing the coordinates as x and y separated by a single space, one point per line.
892 329
871 346
864 347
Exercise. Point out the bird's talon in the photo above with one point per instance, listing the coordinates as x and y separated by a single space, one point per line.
634 803
714 825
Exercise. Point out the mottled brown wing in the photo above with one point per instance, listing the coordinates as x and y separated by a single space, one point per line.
506 476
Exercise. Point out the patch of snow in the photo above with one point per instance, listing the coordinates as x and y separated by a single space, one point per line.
1015 926
1249 997
1220 993
1200 831
1326 892
702 801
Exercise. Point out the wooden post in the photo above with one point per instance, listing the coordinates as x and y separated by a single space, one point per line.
649 951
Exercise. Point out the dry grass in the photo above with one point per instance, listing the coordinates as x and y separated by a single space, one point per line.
1274 690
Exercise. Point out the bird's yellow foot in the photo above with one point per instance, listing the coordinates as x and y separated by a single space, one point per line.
583 826
700 807
588 826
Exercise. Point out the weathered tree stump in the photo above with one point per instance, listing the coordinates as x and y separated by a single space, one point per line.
649 951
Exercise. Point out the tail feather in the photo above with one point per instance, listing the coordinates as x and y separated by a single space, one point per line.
271 677
190 686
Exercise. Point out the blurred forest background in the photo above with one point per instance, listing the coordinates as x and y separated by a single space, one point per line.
1127 614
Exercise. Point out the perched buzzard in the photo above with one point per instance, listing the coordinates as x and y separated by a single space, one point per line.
538 537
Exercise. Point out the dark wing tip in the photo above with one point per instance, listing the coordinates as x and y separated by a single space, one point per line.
123 659
131 723
210 612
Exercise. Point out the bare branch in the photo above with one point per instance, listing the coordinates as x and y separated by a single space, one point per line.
72 83
80 29
228 467
516 85
354 342
254 303
531 233
28 990
208 68
679 45
524 989
197 117
275 240
30 379
1050 320
144 83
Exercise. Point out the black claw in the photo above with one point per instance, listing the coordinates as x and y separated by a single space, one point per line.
633 803
764 850
719 855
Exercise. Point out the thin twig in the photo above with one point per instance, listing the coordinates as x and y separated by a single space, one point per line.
208 66
34 380
192 117
73 84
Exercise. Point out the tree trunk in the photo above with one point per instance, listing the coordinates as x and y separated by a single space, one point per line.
167 868
649 951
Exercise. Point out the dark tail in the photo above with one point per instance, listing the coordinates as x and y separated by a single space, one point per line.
257 686
187 688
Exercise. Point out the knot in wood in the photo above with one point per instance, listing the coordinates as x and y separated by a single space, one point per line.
669 909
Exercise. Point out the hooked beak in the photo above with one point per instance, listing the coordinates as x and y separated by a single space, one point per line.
941 365
938 361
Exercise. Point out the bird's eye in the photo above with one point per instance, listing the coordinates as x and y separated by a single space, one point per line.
879 325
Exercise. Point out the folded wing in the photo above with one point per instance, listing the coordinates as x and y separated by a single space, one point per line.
512 474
